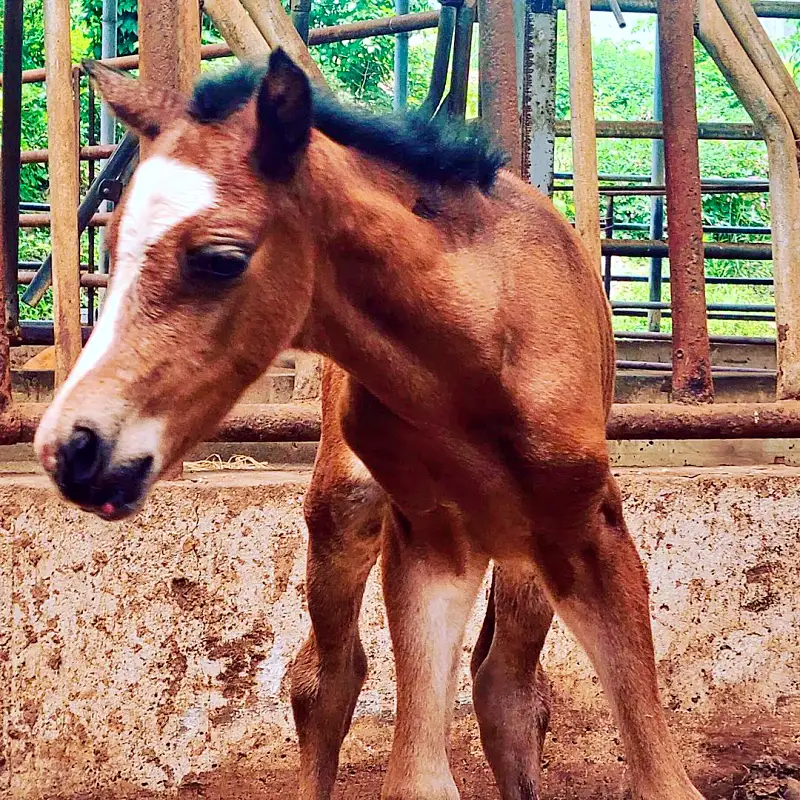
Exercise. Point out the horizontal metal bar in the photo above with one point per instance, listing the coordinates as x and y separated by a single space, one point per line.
706 421
363 29
43 220
743 187
621 305
611 178
712 280
776 9
718 229
624 129
89 280
95 152
268 422
277 422
661 336
642 248
41 333
664 366
712 315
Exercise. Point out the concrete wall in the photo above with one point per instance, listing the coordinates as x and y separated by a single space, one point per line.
138 657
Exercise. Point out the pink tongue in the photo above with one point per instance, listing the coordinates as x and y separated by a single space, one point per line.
107 509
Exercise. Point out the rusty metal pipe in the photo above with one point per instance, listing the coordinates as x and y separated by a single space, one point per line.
691 353
95 152
300 422
44 220
10 169
622 129
64 186
276 27
363 29
718 421
498 77
744 78
750 32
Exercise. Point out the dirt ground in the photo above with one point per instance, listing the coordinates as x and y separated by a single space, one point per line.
734 758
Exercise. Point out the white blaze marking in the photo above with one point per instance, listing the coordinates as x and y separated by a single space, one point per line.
163 193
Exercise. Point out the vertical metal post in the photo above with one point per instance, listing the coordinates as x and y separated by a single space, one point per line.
583 128
455 104
12 121
400 61
301 17
609 235
108 49
169 45
91 231
657 201
539 94
63 169
498 76
691 365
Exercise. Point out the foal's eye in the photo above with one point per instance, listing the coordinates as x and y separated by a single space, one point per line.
216 262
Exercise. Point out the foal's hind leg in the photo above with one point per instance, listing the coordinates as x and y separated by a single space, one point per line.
428 602
511 692
343 509
599 588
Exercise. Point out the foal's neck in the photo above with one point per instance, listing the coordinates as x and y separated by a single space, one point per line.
389 298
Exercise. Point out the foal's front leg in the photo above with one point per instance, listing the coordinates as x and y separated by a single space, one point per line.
428 602
343 514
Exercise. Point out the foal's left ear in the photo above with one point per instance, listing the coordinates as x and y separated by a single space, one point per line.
284 117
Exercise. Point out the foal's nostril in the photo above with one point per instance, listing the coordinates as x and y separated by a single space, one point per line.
81 458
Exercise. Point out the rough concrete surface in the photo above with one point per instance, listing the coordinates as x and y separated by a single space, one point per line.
146 659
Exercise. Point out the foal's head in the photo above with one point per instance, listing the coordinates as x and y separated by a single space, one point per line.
212 278
217 250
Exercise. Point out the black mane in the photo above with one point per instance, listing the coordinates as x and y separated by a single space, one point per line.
447 152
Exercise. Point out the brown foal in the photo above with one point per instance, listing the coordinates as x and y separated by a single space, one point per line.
470 375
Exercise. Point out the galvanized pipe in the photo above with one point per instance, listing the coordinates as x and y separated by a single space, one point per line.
657 202
400 61
539 94
301 17
498 76
10 167
584 135
691 356
744 78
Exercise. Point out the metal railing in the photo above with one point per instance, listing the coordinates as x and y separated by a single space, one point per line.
690 350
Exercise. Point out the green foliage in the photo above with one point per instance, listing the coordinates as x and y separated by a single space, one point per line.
363 70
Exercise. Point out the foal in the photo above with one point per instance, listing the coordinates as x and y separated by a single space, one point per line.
475 372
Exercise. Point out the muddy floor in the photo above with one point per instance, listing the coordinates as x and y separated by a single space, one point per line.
731 758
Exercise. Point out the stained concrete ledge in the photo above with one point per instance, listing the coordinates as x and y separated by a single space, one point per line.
147 658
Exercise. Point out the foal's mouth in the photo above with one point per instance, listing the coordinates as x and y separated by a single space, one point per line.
86 473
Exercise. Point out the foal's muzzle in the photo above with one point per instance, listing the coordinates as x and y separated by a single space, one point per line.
86 476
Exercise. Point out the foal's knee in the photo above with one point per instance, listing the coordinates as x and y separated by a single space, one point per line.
331 678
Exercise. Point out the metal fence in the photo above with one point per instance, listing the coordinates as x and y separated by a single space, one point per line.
529 30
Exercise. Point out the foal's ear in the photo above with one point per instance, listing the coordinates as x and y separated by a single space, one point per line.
146 111
284 117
